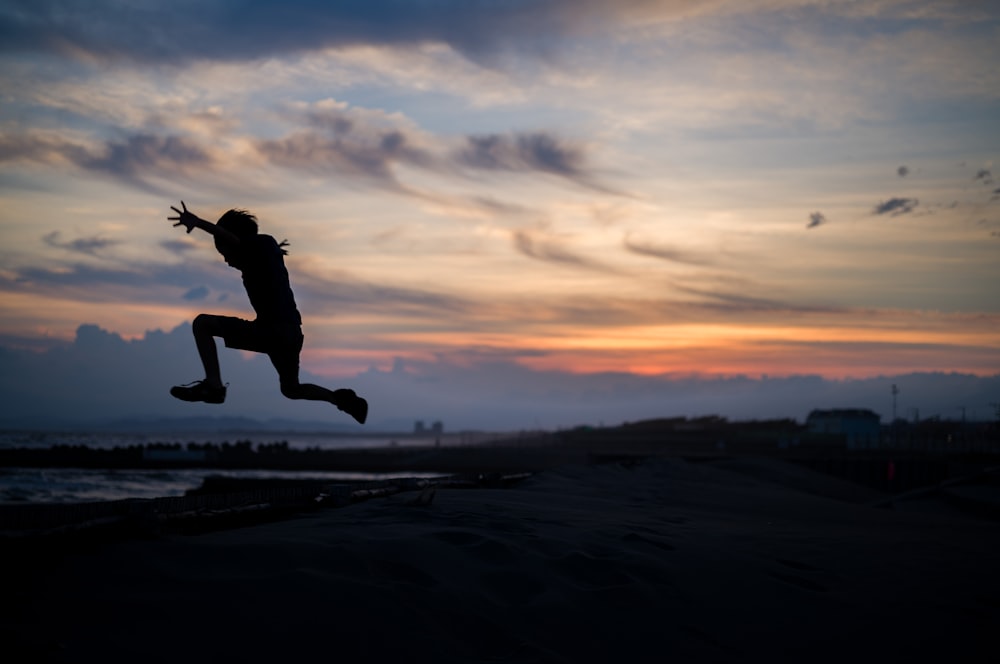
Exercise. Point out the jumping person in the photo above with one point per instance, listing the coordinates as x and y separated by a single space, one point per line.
277 331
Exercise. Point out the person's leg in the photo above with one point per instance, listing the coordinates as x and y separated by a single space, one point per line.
206 327
286 362
311 392
344 399
237 333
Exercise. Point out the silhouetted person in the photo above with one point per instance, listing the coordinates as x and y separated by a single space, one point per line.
277 331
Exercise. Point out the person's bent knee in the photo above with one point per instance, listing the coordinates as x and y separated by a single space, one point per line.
205 324
291 390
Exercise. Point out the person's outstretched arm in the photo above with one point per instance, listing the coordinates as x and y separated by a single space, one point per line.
191 221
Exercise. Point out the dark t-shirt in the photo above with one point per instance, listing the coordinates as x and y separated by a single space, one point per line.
266 281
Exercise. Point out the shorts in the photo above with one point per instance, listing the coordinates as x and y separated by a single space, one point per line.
281 343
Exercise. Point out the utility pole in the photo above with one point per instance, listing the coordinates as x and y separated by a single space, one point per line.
895 433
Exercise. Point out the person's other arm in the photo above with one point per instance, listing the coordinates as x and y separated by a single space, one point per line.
192 221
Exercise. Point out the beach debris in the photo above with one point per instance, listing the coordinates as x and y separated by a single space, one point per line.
203 512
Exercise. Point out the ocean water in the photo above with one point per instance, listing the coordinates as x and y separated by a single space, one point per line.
52 485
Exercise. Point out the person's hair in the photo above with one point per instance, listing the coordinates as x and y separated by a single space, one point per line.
243 225
240 223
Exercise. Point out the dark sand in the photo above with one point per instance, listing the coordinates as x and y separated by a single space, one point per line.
664 561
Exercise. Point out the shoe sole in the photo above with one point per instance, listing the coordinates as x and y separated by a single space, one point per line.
177 394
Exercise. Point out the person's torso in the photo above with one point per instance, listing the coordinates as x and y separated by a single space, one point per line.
266 281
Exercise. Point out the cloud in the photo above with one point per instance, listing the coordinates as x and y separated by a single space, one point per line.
145 154
344 150
529 152
732 303
148 283
670 254
532 151
984 175
550 251
332 138
152 283
141 159
368 144
179 247
132 159
816 219
896 206
479 389
151 32
84 245
197 293
903 171
178 32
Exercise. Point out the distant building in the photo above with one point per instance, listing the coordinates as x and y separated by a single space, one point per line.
859 428
436 429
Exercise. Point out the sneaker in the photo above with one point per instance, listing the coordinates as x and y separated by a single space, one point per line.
199 391
352 404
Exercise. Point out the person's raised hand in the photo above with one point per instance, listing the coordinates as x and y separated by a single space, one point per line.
183 218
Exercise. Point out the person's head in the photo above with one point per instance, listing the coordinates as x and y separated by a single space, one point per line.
240 223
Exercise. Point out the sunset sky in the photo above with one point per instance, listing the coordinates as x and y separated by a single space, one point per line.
673 188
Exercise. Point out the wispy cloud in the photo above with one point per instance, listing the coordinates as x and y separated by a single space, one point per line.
539 152
667 253
83 245
735 303
197 293
352 142
123 282
132 160
259 28
552 251
360 143
145 154
896 206
321 153
178 247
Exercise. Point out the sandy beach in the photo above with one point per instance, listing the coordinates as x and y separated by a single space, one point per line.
735 560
